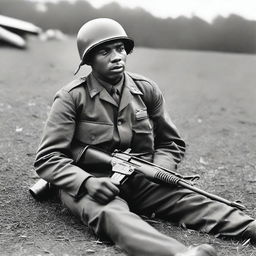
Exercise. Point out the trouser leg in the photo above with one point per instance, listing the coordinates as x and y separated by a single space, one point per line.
115 222
185 207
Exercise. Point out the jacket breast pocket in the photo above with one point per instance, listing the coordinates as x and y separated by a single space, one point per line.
94 133
143 137
142 126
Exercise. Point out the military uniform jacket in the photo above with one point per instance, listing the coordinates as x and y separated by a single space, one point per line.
83 113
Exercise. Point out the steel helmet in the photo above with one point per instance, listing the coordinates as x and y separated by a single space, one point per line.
98 31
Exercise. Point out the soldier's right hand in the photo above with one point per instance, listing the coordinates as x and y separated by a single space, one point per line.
101 190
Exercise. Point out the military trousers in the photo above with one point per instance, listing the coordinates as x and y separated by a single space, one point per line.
120 219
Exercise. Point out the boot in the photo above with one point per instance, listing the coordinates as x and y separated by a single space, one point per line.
250 232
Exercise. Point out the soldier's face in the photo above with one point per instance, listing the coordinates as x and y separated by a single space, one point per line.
108 61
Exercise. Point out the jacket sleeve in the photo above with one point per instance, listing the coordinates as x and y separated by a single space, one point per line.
169 146
54 162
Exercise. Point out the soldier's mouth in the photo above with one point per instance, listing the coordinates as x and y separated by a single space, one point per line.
117 68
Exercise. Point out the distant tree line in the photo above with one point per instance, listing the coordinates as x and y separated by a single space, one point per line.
232 34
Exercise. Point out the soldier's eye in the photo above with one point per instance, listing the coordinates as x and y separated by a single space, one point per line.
103 51
121 48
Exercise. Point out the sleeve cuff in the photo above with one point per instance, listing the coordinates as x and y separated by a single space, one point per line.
82 190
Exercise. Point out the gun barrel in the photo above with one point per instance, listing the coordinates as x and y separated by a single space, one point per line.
212 196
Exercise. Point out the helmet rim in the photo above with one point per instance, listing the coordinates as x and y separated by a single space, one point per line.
129 45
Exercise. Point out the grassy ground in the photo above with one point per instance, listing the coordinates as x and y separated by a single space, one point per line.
210 96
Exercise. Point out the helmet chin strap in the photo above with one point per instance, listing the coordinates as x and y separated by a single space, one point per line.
78 68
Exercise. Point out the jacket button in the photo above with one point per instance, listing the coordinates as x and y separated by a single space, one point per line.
119 122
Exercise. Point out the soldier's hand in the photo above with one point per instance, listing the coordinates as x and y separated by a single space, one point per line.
101 190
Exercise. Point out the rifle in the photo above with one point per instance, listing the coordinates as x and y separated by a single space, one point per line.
123 165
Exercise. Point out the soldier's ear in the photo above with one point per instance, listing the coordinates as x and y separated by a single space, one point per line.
89 61
90 57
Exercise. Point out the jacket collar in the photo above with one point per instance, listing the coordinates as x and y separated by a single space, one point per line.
129 89
93 85
109 86
130 84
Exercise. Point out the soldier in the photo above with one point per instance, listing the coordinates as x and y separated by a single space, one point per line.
114 109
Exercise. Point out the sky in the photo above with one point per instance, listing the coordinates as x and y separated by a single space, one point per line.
205 9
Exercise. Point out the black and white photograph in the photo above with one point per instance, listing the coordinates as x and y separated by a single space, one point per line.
127 127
